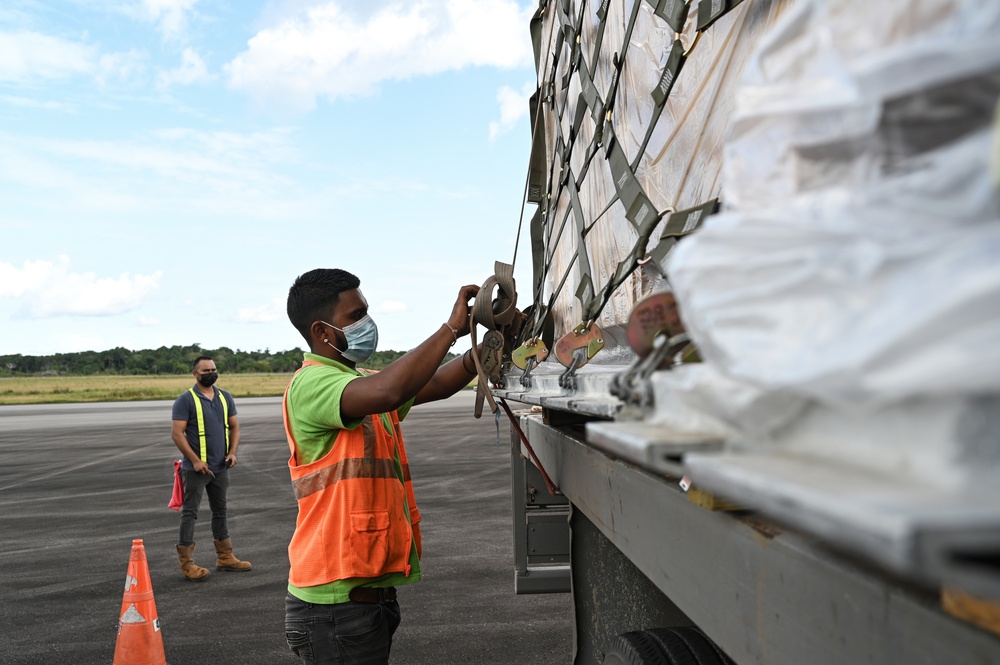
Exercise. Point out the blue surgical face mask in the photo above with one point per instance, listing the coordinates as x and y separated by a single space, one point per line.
362 339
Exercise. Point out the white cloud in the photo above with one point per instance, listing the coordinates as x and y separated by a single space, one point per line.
267 313
121 66
170 15
182 168
147 322
191 70
513 106
51 289
29 56
35 103
325 51
389 307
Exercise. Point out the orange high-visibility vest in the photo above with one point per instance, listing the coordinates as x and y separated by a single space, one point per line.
352 521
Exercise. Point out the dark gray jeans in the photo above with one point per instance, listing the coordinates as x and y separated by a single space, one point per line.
217 488
355 633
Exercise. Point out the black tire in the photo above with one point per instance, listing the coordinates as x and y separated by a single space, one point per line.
683 645
634 648
687 644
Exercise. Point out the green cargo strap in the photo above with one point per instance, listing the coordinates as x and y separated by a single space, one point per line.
593 307
557 53
201 422
673 67
601 112
710 11
569 32
586 286
573 33
564 149
681 223
541 315
602 22
541 322
588 98
675 61
554 239
537 254
640 211
674 12
538 271
638 208
535 27
590 95
618 64
536 164
561 153
598 113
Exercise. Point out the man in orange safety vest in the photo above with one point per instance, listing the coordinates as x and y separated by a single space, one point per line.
357 535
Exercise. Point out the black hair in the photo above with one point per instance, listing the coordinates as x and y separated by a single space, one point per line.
314 294
197 360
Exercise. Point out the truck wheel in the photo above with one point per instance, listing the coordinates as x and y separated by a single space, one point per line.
687 644
635 648
684 645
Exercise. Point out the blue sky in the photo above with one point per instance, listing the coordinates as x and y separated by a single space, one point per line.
168 167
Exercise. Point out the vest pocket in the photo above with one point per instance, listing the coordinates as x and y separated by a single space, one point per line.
370 542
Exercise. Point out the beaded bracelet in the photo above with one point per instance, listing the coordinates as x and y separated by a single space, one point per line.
453 332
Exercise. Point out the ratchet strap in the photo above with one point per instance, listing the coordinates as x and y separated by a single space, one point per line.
495 315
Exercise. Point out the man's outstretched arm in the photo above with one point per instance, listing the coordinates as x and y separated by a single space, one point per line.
396 384
449 378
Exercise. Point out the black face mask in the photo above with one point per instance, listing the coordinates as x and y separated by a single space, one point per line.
208 379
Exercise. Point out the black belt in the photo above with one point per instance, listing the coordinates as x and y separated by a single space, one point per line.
364 594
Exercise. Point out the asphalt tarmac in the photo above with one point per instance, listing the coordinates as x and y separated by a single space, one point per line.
78 482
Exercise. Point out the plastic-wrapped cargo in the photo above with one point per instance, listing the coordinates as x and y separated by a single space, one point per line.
849 292
857 261
845 301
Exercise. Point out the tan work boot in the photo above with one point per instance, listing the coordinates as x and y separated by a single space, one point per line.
226 560
191 570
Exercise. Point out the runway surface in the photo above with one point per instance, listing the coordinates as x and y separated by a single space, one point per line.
78 482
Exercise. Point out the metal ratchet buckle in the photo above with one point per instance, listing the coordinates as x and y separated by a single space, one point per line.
576 348
527 357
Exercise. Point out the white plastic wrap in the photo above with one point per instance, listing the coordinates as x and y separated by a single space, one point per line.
857 262
700 401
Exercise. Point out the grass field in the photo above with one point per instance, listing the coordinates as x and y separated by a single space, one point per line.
52 389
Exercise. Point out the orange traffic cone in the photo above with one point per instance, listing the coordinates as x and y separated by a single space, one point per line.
139 638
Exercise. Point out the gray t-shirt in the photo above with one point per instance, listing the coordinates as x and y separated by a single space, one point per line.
215 431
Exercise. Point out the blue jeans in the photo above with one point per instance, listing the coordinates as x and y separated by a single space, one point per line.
354 633
217 488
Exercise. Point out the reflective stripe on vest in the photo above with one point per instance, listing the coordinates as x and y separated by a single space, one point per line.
201 422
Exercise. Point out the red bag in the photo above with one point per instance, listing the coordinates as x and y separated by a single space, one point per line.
177 496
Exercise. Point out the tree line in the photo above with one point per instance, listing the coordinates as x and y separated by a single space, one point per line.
167 360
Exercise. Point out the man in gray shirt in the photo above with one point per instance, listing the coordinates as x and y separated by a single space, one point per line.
207 433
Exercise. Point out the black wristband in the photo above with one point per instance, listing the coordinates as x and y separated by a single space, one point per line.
470 371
